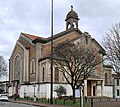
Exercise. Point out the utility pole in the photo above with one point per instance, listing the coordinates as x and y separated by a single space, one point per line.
51 94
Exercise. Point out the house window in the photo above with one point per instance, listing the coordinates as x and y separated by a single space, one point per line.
118 92
43 78
17 67
106 77
117 82
33 66
56 75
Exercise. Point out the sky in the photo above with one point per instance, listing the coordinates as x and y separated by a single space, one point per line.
34 17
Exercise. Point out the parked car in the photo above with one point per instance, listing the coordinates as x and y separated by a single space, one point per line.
3 97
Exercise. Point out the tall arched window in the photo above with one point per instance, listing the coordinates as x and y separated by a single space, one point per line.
56 76
33 66
43 78
17 67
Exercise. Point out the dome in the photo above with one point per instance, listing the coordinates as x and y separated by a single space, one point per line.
72 14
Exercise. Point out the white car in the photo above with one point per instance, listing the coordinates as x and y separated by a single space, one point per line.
3 97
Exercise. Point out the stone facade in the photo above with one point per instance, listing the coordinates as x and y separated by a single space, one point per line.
34 72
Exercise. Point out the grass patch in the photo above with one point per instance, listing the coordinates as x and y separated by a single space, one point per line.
67 102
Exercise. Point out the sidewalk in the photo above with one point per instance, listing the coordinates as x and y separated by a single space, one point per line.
36 103
99 104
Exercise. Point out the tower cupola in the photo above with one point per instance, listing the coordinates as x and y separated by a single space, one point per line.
72 19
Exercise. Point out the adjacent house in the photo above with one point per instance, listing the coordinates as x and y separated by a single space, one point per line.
4 86
107 72
30 71
116 85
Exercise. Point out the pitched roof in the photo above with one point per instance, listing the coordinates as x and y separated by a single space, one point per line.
32 37
36 39
45 40
116 76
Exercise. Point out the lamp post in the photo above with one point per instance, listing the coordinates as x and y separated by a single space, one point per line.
34 85
51 94
81 95
19 86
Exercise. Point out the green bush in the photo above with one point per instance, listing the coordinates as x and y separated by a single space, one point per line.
60 90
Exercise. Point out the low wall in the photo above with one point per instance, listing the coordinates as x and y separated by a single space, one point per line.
108 91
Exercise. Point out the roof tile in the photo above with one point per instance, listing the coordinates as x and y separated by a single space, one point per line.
32 37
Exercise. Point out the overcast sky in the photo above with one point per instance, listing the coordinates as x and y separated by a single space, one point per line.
33 16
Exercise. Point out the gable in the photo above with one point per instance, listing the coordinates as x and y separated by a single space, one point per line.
99 46
17 48
93 43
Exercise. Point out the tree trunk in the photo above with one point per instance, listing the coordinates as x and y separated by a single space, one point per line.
74 100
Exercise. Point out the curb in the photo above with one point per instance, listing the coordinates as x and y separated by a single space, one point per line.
27 103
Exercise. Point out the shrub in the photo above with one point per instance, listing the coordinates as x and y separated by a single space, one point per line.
60 90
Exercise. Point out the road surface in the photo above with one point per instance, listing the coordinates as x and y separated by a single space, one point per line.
10 104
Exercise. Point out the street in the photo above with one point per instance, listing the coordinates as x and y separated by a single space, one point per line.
10 104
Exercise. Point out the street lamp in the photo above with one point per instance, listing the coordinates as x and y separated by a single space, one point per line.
81 97
82 100
34 85
51 94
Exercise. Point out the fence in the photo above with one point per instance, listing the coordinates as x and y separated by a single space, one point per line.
99 100
87 101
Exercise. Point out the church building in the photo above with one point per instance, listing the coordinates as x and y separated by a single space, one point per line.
30 69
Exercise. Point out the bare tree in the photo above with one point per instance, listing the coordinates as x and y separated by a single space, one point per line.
3 67
76 63
112 45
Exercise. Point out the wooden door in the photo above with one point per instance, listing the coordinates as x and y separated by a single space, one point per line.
88 88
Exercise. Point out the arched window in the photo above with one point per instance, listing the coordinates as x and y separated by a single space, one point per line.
17 67
75 25
68 25
43 78
33 66
56 76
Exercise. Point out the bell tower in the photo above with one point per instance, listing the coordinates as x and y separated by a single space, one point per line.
72 19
